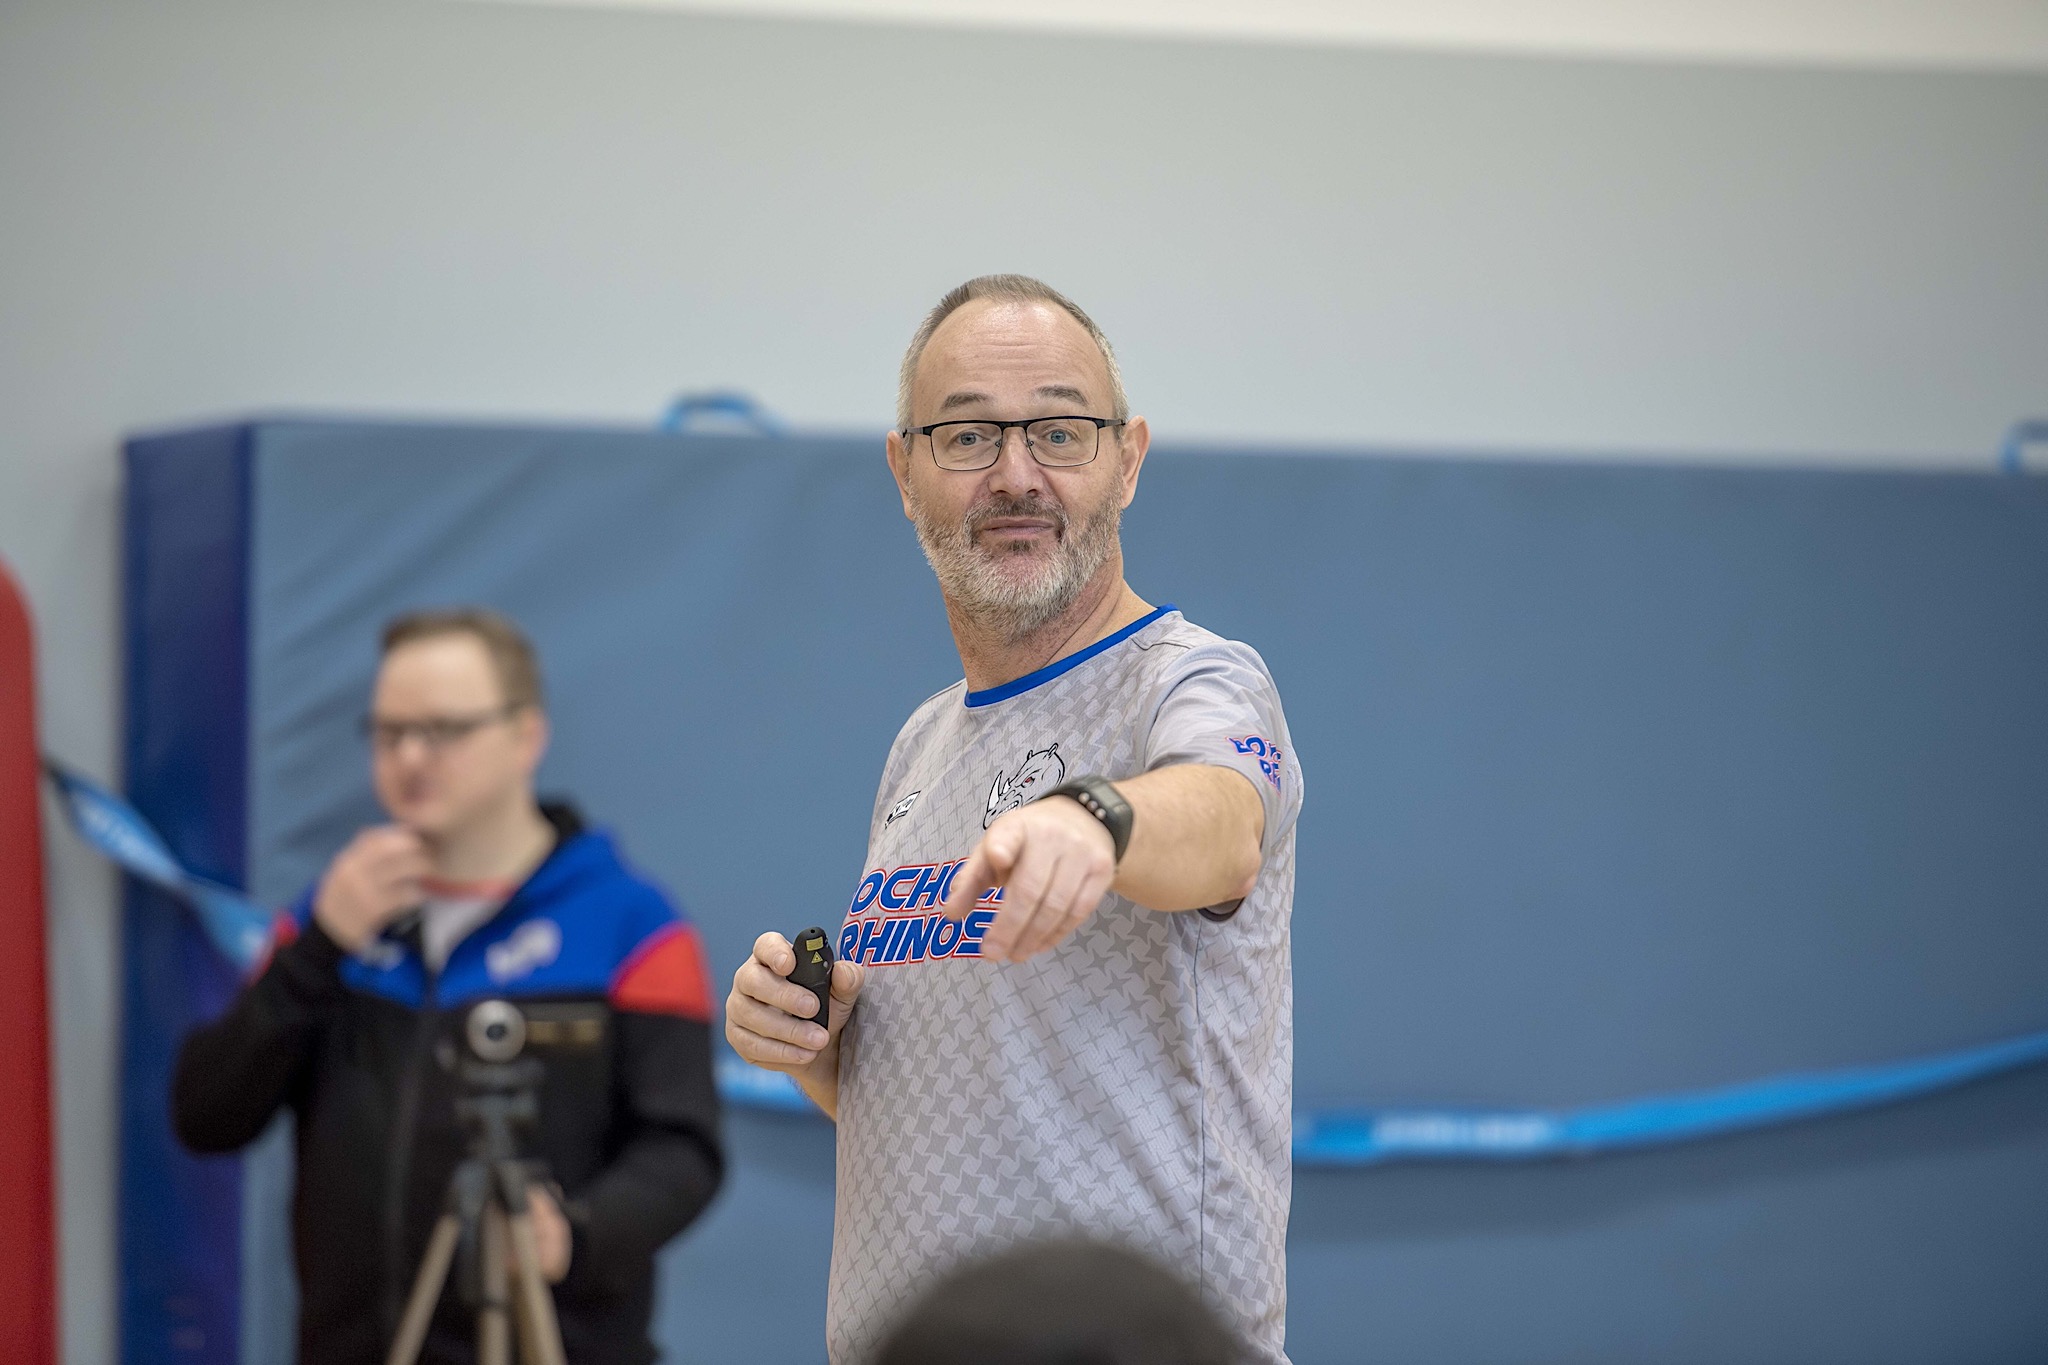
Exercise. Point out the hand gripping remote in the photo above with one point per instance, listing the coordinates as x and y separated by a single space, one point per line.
813 971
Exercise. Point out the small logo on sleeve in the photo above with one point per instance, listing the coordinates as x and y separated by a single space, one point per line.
1269 756
902 808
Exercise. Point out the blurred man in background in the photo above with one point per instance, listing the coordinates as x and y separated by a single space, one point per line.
1065 998
474 890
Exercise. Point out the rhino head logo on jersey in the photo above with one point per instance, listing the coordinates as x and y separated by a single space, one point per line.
1041 770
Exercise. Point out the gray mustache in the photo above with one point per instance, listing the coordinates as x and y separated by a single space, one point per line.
999 507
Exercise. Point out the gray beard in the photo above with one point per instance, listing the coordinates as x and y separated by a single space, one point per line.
1012 604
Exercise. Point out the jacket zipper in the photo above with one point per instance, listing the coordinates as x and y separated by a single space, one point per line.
397 1275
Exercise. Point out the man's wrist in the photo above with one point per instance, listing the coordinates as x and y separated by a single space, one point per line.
1100 798
352 937
819 1080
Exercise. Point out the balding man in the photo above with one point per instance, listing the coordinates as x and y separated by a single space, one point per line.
1064 1003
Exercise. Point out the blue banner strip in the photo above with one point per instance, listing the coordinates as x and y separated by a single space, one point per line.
2012 452
1366 1137
240 930
747 1086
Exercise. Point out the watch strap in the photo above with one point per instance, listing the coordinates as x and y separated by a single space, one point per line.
1103 801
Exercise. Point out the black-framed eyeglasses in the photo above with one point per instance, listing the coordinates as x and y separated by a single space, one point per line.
1058 442
434 733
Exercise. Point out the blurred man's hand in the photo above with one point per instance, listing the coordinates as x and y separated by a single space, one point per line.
552 1240
370 883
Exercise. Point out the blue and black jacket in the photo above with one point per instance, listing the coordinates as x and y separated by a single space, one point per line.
362 1049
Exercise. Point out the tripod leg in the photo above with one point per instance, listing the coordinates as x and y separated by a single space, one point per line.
540 1336
493 1339
426 1292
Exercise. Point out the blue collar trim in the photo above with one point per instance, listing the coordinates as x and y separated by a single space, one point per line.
1018 686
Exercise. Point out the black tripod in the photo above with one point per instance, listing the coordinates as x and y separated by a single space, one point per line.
485 1232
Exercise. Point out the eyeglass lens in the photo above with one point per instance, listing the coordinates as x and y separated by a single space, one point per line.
1051 441
435 734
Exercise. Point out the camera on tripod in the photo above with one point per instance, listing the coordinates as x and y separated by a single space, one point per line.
497 1084
496 1032
485 1233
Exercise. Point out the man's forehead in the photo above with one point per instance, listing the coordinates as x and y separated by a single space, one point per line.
991 350
438 663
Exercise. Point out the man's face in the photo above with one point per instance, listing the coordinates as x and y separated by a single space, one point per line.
1014 544
445 751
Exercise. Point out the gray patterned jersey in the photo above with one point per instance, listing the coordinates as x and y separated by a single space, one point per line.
1137 1082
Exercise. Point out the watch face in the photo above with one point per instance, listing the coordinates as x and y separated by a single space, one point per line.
1103 801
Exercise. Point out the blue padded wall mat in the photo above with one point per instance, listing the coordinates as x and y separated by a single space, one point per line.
185 518
1622 779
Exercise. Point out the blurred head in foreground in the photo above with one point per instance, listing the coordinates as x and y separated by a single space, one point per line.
1061 1303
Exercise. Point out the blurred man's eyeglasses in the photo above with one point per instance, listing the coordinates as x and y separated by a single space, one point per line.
1058 442
434 733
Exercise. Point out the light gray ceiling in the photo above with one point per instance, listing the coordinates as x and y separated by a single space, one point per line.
1945 34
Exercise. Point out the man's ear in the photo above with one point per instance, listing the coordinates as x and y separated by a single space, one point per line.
534 733
897 447
1136 437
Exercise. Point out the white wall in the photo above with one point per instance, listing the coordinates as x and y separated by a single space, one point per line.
226 205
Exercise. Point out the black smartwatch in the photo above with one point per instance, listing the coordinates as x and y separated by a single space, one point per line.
1105 803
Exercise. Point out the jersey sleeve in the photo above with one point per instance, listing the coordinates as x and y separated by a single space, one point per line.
1219 706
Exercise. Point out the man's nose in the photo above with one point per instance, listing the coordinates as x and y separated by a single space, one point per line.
1015 469
409 749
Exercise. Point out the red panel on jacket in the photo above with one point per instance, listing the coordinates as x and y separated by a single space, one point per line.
666 975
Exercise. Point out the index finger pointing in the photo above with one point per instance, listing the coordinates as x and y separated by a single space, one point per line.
970 883
991 862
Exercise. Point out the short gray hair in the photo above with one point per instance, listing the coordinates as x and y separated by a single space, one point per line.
1012 288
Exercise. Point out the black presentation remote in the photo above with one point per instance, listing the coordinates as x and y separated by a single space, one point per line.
814 970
